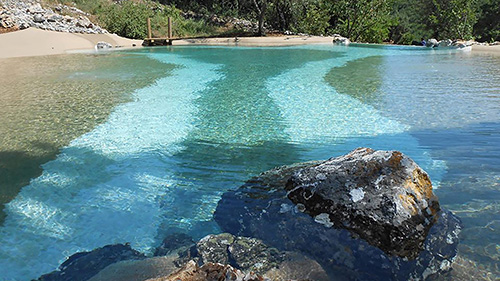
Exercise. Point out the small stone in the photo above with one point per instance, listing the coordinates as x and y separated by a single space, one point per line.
38 18
103 45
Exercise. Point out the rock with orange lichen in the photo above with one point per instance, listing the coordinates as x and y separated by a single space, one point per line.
379 195
367 215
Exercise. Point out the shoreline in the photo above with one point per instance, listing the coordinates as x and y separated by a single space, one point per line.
36 42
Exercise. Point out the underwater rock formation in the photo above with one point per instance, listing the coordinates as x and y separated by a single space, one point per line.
82 266
247 254
368 215
209 272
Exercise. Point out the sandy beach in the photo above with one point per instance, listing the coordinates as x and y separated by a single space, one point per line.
37 42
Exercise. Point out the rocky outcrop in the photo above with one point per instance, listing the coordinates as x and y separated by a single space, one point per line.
382 196
445 43
29 13
340 40
431 43
368 215
82 266
247 254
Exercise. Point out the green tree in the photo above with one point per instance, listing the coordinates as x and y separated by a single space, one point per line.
314 19
487 27
451 18
409 21
363 20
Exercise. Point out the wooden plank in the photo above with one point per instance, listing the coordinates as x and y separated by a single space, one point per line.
149 28
169 27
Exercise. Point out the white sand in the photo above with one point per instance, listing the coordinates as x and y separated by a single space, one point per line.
37 42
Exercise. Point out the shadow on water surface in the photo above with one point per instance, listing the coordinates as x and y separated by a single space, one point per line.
360 79
17 168
45 102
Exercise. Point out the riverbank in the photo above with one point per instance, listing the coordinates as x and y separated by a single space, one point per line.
37 42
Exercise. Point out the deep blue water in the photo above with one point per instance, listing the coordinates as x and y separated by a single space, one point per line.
160 163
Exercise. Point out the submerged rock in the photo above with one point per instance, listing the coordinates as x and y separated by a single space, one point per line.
247 254
82 266
368 215
209 272
252 255
172 243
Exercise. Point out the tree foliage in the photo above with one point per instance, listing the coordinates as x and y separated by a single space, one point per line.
364 20
398 21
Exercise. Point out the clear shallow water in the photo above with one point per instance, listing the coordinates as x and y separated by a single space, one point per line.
160 162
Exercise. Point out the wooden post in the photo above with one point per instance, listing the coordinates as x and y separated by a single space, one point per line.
169 41
149 29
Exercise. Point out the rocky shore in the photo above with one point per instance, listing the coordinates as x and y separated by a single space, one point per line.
22 14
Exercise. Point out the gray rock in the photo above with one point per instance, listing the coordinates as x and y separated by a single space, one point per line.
340 40
38 18
431 43
292 209
35 9
54 18
379 195
209 272
84 22
247 254
445 43
24 25
103 45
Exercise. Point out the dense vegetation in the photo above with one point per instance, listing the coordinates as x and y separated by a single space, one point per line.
398 21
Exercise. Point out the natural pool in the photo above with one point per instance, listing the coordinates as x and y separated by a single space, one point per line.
173 128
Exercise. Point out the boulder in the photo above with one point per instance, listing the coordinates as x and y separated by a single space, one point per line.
431 43
208 272
103 45
368 215
381 196
38 18
247 254
84 22
445 43
252 255
340 40
6 22
82 266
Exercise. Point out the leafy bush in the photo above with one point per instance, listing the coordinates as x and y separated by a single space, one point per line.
127 19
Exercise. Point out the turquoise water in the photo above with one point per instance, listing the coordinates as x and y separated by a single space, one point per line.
160 162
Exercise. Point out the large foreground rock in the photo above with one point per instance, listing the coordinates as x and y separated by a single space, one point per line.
368 215
252 255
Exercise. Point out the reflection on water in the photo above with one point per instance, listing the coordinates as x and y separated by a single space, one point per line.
48 101
360 79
